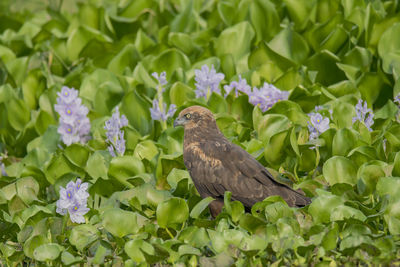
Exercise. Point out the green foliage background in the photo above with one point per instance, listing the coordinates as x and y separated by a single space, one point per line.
144 207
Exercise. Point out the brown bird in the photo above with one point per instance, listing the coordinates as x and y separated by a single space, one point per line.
216 165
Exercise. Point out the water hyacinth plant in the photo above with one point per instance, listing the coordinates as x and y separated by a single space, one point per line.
317 125
207 81
73 200
267 96
239 86
397 100
74 126
364 114
115 136
144 207
159 109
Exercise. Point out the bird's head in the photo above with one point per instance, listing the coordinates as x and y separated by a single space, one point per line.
195 116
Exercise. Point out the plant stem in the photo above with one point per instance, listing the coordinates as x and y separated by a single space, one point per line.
169 233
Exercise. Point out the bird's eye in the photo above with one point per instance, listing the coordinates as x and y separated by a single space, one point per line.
187 116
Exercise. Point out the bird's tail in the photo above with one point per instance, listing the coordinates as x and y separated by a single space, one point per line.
300 199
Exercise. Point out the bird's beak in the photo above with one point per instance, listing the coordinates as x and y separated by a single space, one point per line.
179 121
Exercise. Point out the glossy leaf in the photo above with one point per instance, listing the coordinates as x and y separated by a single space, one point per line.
172 212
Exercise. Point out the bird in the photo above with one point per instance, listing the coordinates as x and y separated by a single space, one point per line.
216 165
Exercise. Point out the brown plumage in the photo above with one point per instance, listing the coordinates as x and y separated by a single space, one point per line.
216 165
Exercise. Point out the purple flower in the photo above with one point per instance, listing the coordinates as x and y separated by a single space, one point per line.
316 126
159 109
74 125
162 78
207 81
115 136
73 200
267 96
364 114
161 114
318 108
241 86
76 212
397 100
68 95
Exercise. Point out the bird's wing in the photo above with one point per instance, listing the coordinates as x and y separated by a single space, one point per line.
220 166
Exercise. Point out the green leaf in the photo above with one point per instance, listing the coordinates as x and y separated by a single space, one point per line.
343 113
274 149
392 217
299 11
127 58
83 235
293 142
146 150
251 223
103 89
200 207
235 208
172 212
47 252
184 21
388 186
217 103
235 40
175 176
232 12
77 154
68 259
181 41
194 236
354 241
18 114
290 45
325 63
120 222
17 69
370 85
322 206
136 249
32 243
396 165
389 110
124 167
277 210
154 197
169 61
369 174
343 142
291 110
180 93
343 212
137 112
43 120
389 49
57 167
27 189
96 165
142 41
79 38
265 19
339 170
270 125
101 253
